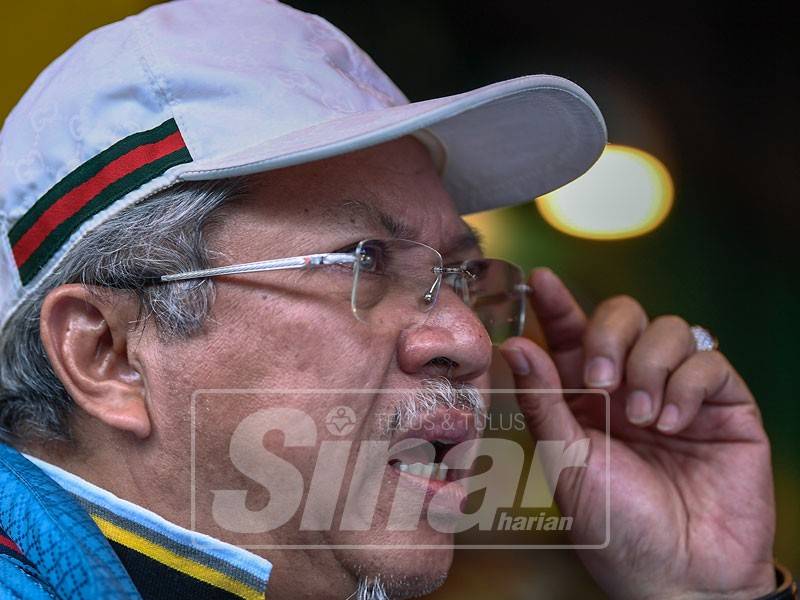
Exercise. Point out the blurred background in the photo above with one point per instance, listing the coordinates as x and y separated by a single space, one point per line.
710 93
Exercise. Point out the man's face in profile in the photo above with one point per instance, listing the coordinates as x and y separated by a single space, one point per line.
291 330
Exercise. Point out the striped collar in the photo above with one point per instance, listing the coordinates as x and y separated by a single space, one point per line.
164 560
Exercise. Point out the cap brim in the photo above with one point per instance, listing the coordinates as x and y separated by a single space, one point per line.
500 145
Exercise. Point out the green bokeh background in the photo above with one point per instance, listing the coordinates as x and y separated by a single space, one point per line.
712 93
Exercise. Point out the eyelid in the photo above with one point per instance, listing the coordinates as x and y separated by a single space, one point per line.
347 249
448 262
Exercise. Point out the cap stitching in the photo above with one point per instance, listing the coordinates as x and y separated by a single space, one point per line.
15 286
157 84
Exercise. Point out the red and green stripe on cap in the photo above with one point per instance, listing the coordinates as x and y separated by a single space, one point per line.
89 189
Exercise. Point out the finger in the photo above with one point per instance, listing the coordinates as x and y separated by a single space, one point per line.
563 323
611 333
561 318
705 377
663 346
546 413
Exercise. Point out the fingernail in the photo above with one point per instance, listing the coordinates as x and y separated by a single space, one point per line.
640 407
669 418
517 361
599 372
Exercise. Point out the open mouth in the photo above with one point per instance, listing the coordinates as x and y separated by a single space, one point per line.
436 470
436 434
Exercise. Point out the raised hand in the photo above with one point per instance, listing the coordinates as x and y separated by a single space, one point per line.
692 506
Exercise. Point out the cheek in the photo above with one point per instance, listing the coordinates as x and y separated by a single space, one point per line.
253 344
258 341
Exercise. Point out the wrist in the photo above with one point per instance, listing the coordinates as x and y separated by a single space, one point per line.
762 584
776 584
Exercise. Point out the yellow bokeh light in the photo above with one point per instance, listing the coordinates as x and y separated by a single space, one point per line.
627 193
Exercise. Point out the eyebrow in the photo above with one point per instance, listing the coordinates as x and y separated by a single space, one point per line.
469 239
374 218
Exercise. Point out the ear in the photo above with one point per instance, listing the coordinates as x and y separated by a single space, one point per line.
86 337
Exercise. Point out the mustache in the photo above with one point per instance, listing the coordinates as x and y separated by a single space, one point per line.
432 395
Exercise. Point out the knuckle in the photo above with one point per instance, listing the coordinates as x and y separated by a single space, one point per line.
712 361
747 418
645 368
624 302
617 310
685 391
603 340
688 386
672 322
597 335
538 413
703 374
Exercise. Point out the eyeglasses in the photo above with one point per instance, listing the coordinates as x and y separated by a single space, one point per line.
395 283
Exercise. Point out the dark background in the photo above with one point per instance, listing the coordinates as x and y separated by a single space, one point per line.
711 90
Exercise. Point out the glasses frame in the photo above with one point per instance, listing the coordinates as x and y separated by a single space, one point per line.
311 261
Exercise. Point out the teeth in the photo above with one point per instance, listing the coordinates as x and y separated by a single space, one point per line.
437 471
421 470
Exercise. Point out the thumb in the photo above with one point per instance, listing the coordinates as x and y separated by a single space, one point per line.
546 412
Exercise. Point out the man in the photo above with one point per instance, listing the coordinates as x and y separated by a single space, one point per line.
225 227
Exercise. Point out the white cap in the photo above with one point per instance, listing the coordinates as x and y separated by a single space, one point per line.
206 89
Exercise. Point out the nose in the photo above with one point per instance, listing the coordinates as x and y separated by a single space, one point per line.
452 342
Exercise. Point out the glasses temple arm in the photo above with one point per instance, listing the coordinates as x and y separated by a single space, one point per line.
277 264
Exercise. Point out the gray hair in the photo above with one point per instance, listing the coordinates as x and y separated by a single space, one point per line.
382 587
370 588
430 395
164 233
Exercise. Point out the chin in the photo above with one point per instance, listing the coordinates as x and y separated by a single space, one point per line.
412 557
407 573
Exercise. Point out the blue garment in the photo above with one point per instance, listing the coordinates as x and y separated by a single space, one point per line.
218 571
68 555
